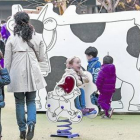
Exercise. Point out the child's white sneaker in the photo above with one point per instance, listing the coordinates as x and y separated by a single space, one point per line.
110 112
105 117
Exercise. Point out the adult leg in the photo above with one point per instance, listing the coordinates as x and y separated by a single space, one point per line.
31 113
31 107
20 110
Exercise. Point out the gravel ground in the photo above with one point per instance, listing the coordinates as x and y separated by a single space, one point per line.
120 127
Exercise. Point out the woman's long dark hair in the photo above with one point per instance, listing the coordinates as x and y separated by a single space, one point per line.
22 27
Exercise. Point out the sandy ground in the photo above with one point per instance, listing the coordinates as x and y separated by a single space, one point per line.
120 127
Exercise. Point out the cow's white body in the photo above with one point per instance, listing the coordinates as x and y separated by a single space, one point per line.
60 41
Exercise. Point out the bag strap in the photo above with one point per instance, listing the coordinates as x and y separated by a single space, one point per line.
31 45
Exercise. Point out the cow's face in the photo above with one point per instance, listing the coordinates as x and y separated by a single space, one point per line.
42 25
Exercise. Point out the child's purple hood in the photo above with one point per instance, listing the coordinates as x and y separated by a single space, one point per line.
109 69
106 79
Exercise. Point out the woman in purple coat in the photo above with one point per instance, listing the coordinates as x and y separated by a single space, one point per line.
106 85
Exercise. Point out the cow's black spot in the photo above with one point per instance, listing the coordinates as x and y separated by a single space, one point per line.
38 25
133 41
117 95
88 32
58 67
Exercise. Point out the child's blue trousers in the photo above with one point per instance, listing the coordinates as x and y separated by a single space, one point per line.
80 100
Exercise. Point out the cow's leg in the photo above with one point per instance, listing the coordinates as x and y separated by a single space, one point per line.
127 93
132 77
134 104
38 101
116 99
42 96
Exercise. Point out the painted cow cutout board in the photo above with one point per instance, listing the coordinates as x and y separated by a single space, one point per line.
70 34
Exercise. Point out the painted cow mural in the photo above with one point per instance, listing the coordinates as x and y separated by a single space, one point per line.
70 34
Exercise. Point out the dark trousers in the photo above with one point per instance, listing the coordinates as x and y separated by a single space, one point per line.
104 101
20 99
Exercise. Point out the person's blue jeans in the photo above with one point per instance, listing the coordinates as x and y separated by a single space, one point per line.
20 99
80 102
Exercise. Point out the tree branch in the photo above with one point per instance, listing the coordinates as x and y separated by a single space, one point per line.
110 6
116 4
103 4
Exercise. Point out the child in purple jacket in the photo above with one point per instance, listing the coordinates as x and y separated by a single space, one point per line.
106 85
4 32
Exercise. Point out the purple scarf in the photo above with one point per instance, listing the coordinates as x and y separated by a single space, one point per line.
2 62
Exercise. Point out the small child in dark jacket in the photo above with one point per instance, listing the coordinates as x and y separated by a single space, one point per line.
4 80
106 85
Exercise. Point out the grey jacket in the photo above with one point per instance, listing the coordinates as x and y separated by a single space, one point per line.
22 64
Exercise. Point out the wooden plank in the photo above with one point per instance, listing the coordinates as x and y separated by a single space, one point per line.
33 11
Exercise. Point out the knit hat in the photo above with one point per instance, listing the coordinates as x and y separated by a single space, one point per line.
70 61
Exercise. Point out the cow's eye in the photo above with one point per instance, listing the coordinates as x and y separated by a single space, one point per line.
50 24
38 25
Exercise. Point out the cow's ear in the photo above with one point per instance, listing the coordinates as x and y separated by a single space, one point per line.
46 12
43 13
10 25
16 8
